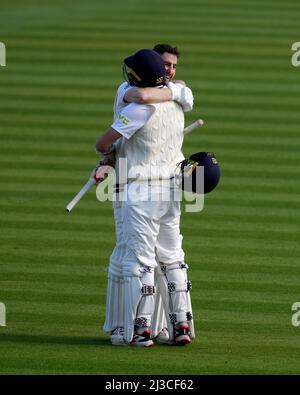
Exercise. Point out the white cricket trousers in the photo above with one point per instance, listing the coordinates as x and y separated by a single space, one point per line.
151 225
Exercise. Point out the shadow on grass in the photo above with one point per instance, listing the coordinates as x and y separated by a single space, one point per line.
46 339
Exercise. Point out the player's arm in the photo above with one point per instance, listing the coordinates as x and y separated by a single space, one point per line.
132 118
104 144
105 147
147 95
177 92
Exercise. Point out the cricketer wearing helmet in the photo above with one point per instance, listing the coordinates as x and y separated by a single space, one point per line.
152 143
114 317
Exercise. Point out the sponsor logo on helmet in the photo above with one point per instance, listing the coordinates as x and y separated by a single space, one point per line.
159 80
131 71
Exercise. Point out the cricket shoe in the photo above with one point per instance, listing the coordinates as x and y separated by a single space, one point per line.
182 336
117 337
162 337
142 340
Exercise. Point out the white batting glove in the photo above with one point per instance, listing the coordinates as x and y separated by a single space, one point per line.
182 95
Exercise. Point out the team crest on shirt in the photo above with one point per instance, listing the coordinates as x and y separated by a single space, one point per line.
124 119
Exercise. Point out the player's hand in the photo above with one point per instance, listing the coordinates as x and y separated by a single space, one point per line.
101 171
183 95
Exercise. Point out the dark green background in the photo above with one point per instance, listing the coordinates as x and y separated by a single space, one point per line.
56 95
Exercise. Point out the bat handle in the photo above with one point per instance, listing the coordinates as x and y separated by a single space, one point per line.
80 194
193 126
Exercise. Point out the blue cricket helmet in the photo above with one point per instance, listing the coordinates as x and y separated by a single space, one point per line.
190 181
145 69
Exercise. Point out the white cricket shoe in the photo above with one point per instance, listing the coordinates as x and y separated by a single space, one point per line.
117 337
182 336
142 340
162 337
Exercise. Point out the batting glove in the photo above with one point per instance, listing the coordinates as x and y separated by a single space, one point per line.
102 170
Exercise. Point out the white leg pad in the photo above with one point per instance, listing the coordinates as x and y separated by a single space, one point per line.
191 320
139 302
132 294
174 289
159 318
114 316
162 290
114 303
159 321
115 284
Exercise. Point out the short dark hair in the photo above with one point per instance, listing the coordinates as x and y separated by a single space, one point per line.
162 48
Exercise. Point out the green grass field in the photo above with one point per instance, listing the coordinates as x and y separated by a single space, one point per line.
56 95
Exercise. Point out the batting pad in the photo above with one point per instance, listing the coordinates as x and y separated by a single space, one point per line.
114 303
132 294
173 288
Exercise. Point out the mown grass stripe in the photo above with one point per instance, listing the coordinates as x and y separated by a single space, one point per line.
215 130
242 144
86 160
92 47
251 231
46 71
233 86
190 21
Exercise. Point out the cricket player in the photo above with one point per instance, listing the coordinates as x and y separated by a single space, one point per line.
137 118
170 56
129 93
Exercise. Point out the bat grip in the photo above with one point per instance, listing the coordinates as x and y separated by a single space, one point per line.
193 126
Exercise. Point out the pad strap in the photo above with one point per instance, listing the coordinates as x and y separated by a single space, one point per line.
182 287
175 318
142 322
148 290
173 266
